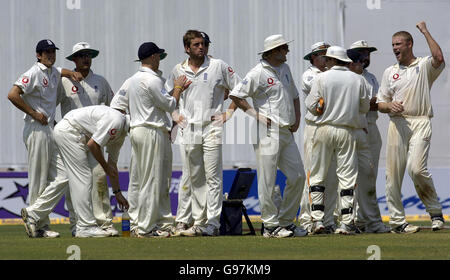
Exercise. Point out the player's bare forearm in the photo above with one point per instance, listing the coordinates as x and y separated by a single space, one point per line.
436 51
240 103
76 76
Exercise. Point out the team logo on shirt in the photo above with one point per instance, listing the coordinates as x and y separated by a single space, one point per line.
45 82
230 71
271 82
113 132
25 80
396 76
75 89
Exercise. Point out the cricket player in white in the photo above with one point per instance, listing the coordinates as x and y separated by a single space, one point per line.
149 105
317 66
344 97
92 90
368 217
83 132
405 95
202 137
35 93
277 109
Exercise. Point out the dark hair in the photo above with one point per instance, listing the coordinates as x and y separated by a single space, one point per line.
354 55
406 35
189 35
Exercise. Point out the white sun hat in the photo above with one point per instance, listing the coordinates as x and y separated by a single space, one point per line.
82 46
338 53
274 41
362 44
315 48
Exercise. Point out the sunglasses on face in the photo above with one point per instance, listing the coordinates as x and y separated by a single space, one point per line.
83 55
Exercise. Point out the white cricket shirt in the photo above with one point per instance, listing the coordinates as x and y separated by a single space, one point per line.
105 125
345 96
39 85
272 92
307 81
411 85
372 116
148 100
92 90
204 97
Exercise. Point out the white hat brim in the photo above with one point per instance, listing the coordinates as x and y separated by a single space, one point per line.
339 58
275 46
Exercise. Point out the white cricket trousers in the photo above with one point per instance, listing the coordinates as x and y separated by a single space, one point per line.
330 195
408 146
72 145
133 193
184 209
45 168
203 164
153 160
277 149
367 211
339 141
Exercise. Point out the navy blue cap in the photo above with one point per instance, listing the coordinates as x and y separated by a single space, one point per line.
149 48
44 45
205 38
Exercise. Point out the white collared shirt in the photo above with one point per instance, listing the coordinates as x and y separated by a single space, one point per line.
372 116
105 125
272 92
307 80
204 96
145 97
92 90
39 85
410 85
345 95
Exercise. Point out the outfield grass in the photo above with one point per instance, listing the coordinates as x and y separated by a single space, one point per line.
15 245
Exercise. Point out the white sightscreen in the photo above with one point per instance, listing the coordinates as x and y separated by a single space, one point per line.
237 29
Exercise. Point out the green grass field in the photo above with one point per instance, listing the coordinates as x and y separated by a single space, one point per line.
424 245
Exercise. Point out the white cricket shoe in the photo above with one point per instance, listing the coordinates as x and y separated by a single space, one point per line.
93 231
192 231
296 231
29 223
346 229
155 233
210 230
405 229
112 231
437 223
179 228
277 232
318 228
378 228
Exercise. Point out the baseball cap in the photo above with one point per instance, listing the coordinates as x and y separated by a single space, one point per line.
82 46
149 48
44 45
205 38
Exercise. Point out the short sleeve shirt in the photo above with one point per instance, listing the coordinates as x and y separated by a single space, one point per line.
410 85
39 85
